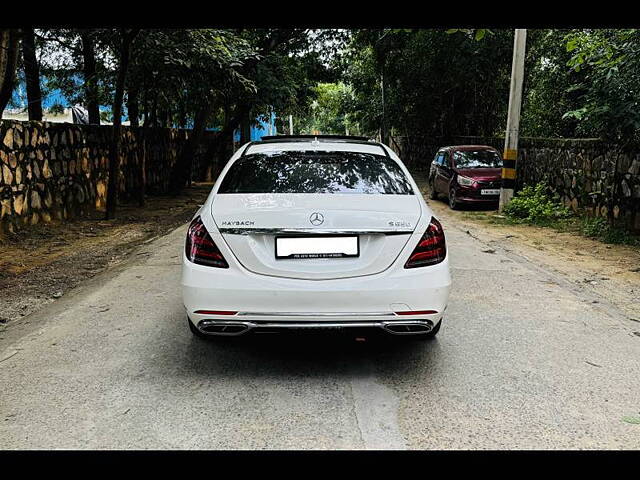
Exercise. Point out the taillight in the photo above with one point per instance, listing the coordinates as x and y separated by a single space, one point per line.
431 248
215 312
200 248
414 312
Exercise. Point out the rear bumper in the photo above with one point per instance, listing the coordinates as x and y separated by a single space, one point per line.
264 301
473 195
240 327
487 200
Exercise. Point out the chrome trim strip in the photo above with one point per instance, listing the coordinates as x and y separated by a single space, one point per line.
316 314
306 231
318 324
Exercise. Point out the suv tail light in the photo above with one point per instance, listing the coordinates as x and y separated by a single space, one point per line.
431 248
200 248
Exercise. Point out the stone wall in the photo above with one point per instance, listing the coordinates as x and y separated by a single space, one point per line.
60 170
586 174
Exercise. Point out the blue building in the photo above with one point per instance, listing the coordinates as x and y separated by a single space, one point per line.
263 128
53 97
49 99
17 107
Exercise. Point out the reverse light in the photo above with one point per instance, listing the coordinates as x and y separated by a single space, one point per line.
431 248
200 248
465 181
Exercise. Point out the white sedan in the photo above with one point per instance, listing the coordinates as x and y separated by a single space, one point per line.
313 233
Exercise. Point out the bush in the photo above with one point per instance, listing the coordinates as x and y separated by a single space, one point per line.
595 227
534 205
600 228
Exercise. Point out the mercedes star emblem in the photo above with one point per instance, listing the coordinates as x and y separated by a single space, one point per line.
316 218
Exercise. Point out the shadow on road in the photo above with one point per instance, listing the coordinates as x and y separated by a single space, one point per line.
310 355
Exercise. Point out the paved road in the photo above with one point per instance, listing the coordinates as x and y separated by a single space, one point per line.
523 361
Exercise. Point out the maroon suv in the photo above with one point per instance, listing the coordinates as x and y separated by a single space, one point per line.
467 174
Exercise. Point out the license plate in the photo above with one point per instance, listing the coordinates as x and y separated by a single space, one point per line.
317 247
490 191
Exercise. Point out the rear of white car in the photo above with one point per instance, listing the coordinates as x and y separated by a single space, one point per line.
305 233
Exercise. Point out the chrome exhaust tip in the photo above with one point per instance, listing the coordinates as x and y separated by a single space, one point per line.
223 328
415 327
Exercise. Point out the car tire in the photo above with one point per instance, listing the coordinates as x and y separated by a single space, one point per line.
195 330
433 195
453 203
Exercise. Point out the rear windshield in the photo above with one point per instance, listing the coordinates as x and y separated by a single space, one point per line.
478 159
315 172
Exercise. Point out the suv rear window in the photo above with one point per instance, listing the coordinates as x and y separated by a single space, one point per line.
315 172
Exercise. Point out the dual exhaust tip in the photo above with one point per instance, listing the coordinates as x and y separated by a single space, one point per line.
408 328
234 328
223 328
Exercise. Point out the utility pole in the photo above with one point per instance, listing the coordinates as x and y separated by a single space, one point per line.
290 124
382 58
383 129
513 118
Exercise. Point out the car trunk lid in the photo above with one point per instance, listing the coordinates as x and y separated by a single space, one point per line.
250 224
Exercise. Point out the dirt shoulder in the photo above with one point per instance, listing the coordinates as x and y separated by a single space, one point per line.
610 272
43 262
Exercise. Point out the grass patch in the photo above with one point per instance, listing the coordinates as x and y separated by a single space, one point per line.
599 228
534 205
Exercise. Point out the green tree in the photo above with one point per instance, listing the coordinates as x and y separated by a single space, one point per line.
81 64
126 39
9 45
608 62
551 88
31 74
329 111
434 84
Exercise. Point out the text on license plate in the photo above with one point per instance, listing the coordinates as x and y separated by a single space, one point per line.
317 247
490 191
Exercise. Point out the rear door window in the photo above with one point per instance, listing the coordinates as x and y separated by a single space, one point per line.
316 172
445 160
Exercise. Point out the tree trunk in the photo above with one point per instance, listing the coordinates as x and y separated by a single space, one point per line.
134 116
32 74
9 40
182 114
216 148
90 78
133 106
245 128
153 120
183 167
145 105
163 116
142 170
114 153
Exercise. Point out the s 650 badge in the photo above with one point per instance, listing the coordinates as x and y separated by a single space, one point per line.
399 224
